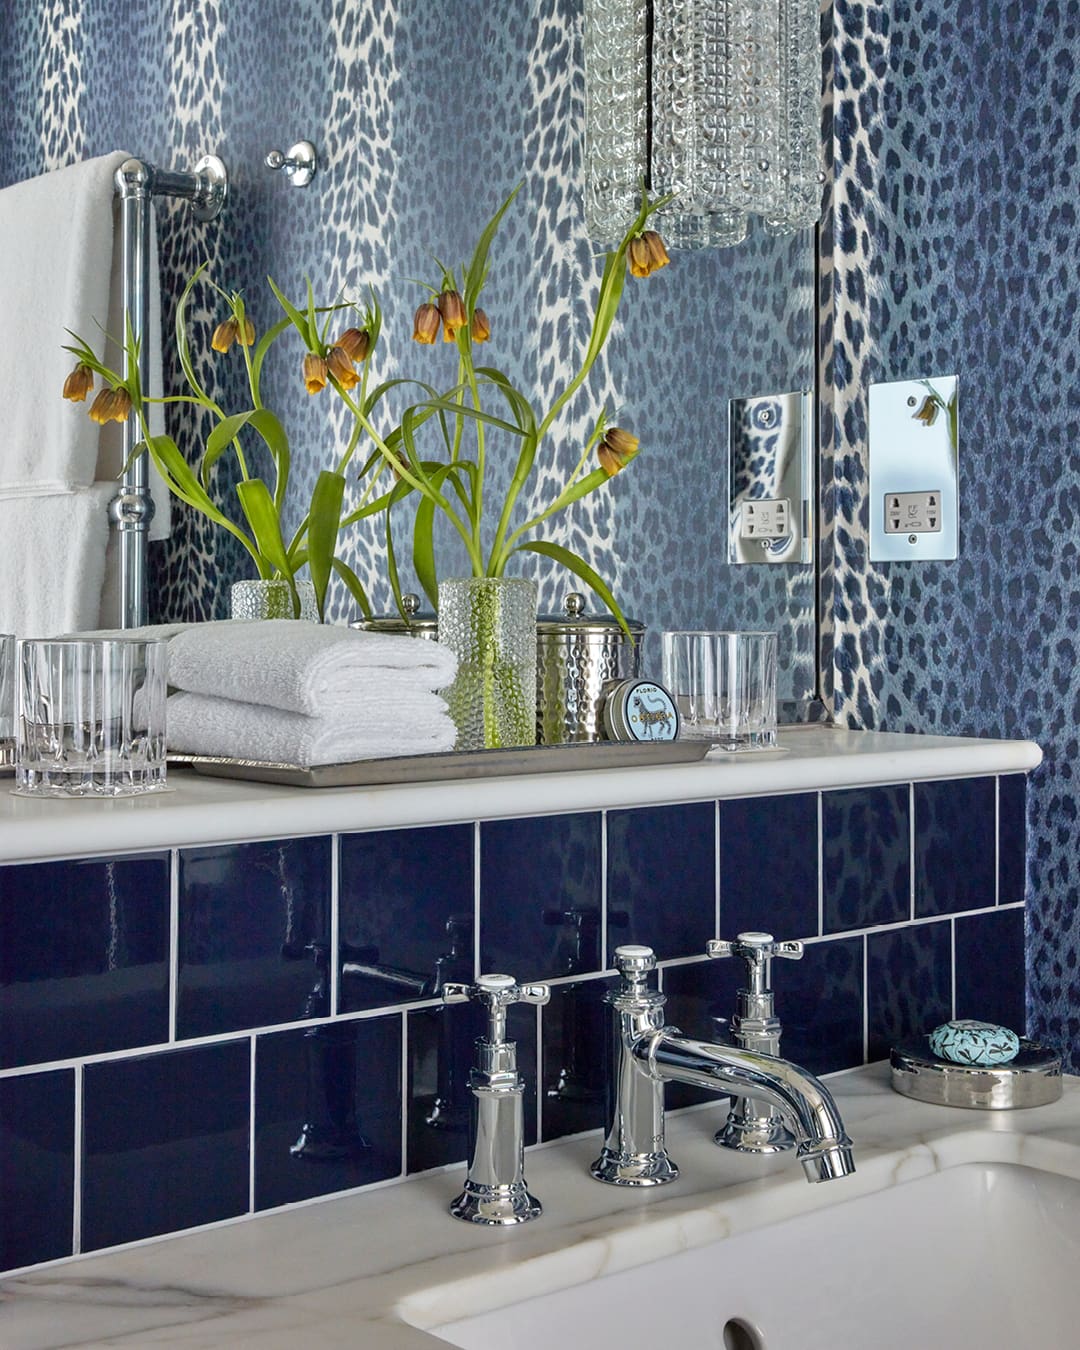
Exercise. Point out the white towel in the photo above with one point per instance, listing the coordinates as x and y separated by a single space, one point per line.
53 554
199 725
315 669
60 269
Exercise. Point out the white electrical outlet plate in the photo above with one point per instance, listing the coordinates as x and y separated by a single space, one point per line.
770 478
914 480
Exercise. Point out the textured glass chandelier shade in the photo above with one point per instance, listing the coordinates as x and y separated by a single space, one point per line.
714 100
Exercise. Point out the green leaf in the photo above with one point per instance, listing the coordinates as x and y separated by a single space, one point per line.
183 348
581 569
477 271
258 508
263 346
355 586
463 410
299 322
324 520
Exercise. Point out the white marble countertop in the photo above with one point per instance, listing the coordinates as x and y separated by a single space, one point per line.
208 810
346 1272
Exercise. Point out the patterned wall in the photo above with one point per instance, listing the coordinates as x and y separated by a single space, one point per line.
425 115
955 211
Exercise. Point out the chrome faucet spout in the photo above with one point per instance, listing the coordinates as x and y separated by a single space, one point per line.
647 1053
824 1148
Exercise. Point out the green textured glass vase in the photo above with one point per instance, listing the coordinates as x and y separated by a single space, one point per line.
490 624
260 599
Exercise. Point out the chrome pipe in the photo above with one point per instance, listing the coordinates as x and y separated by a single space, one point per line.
132 509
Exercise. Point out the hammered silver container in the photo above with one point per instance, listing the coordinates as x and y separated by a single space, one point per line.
576 655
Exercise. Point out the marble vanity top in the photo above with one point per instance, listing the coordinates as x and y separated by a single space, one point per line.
348 1272
209 810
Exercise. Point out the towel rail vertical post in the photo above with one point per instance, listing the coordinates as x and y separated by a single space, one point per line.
132 510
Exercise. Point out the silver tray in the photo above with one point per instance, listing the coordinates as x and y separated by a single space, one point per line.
453 764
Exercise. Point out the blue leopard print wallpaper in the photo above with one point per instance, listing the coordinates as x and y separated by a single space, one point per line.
425 113
955 132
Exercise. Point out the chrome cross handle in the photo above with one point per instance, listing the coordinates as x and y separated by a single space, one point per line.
495 1190
753 1125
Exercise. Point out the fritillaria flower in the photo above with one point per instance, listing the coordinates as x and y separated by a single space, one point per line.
452 309
426 324
225 334
480 328
342 369
79 383
647 254
315 373
355 343
928 413
111 405
616 450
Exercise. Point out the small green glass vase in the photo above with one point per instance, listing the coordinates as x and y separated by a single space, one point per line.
490 624
264 599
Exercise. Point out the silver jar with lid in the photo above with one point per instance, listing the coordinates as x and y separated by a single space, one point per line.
577 654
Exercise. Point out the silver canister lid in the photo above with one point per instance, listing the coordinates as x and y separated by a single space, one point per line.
574 621
413 622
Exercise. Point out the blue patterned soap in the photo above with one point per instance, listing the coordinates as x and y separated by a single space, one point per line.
968 1042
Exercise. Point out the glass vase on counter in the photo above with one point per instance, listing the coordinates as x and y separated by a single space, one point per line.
272 599
490 625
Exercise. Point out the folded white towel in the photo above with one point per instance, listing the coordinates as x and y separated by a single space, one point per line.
200 725
315 669
53 560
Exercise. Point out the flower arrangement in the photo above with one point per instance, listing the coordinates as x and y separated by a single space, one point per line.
460 423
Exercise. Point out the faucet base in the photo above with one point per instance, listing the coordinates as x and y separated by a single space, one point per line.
496 1206
764 1134
634 1169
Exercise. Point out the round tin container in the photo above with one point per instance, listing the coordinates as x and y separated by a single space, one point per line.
639 710
1033 1078
577 654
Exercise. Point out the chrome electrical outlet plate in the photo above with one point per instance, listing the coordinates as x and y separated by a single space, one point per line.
914 511
770 466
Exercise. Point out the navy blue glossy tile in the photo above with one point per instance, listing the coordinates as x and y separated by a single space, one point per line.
661 864
534 872
954 845
576 1057
87 941
37 1167
327 1109
990 968
441 1053
254 935
909 983
165 1142
1012 838
819 1000
769 866
406 914
866 857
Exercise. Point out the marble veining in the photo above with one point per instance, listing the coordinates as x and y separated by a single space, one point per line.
310 1270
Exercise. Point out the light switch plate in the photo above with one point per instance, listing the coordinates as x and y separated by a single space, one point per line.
914 482
770 468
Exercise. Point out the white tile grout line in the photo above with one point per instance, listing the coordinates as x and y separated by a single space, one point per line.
251 1128
911 847
603 886
866 998
404 1096
997 839
419 1005
952 963
77 1172
476 899
174 939
716 868
335 920
821 864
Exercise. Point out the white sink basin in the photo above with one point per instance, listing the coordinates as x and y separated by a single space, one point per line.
984 1256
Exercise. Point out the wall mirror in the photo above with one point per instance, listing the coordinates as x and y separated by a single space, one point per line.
405 173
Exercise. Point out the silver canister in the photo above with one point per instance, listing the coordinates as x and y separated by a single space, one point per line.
576 655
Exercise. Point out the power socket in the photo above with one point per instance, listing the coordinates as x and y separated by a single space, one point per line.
913 513
763 518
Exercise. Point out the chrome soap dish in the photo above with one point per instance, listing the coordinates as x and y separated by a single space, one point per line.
1031 1078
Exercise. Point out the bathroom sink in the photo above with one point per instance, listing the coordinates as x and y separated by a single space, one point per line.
981 1254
